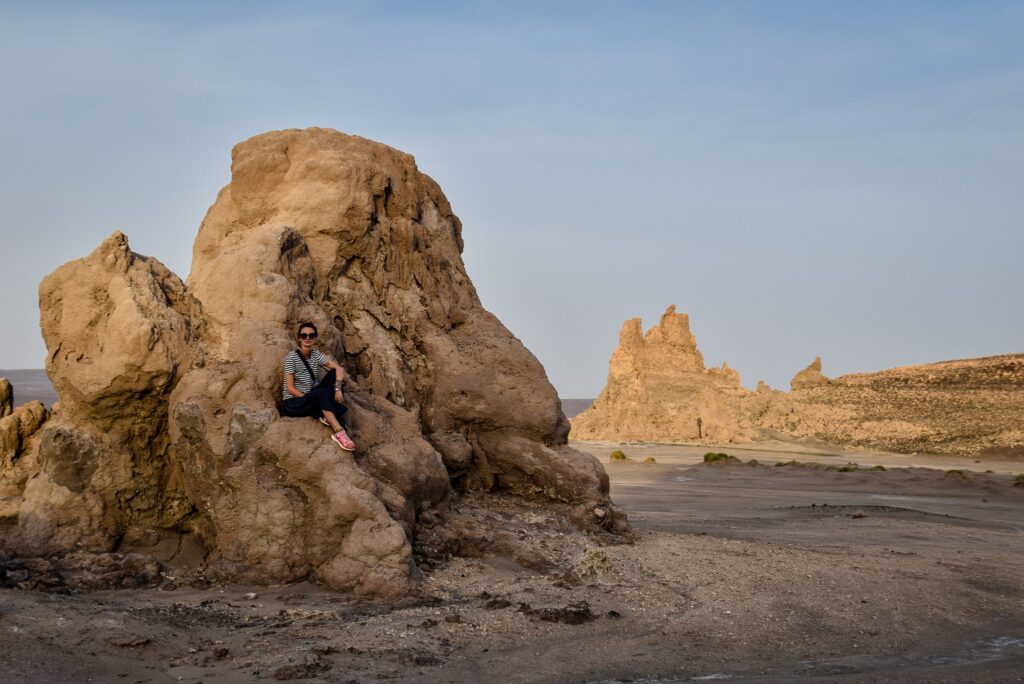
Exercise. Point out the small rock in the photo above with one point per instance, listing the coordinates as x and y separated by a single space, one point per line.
572 614
130 642
250 596
309 668
425 659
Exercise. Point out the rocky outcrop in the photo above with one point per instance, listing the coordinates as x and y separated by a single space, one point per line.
169 437
17 430
6 397
120 332
18 427
809 377
657 388
969 407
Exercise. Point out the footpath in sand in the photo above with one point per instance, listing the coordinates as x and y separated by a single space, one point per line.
734 573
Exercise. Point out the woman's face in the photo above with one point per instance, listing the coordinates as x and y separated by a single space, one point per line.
307 338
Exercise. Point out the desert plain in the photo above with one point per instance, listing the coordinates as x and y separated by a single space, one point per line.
813 570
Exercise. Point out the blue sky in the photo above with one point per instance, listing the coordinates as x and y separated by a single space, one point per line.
803 178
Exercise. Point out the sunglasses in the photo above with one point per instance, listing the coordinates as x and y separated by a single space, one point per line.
307 336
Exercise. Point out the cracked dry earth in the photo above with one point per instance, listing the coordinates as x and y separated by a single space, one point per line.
732 573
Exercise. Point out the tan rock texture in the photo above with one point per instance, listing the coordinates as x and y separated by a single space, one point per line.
119 330
809 377
16 463
6 397
658 387
969 407
169 441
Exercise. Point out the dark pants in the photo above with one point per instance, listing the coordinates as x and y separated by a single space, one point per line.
315 402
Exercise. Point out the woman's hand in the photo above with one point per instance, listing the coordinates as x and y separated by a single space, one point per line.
338 396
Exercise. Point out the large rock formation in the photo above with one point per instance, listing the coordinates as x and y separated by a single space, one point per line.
120 332
658 388
168 438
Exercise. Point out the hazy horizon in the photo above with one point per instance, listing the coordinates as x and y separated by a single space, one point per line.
803 179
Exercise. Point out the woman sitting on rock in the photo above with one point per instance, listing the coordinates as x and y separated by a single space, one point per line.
304 397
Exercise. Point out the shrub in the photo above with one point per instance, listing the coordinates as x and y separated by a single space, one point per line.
650 459
1018 481
717 458
617 456
956 473
753 462
848 468
879 467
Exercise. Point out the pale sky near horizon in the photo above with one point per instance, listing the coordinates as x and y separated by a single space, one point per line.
802 178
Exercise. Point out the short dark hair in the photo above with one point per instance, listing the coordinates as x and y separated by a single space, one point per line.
307 324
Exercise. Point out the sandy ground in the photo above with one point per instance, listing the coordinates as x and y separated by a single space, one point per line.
733 573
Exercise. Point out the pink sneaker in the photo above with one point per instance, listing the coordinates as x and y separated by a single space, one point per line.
342 440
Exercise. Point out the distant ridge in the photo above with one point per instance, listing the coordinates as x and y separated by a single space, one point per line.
30 384
573 407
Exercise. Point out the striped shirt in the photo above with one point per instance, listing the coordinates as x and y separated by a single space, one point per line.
293 366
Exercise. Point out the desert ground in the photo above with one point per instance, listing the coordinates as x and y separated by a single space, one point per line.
732 572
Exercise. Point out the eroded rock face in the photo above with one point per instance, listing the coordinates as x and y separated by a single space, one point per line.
969 407
16 462
6 397
169 426
120 332
657 388
809 377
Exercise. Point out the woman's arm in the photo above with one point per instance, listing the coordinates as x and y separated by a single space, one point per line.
339 372
339 378
289 379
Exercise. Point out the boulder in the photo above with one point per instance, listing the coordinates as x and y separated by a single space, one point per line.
120 332
169 427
